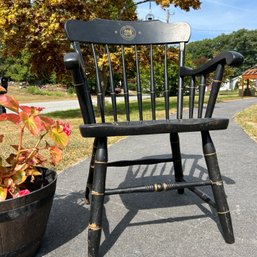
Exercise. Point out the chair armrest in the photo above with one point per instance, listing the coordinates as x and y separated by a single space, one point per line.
230 58
72 63
71 60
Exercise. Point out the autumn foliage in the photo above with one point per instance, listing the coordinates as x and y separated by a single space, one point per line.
37 26
183 4
21 165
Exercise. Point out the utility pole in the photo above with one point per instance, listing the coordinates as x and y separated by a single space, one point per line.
169 14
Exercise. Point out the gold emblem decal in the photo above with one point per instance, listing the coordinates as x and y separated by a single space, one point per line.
127 32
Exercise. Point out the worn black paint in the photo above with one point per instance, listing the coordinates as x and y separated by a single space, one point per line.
135 34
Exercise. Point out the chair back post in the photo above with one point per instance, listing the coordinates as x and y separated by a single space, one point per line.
83 90
73 63
215 87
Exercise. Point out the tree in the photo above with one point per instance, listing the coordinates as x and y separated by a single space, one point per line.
16 68
37 26
243 41
183 4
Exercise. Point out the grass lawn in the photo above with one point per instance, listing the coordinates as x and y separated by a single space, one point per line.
79 147
22 95
247 119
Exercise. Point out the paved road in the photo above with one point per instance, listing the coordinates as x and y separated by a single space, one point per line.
68 104
56 105
162 224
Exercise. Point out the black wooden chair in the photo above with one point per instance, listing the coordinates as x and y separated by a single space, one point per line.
130 51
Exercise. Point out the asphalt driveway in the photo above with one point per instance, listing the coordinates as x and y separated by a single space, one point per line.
162 224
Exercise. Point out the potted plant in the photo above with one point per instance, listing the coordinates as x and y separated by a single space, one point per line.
27 187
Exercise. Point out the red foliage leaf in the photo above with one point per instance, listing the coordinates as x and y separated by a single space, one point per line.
9 102
48 121
15 118
56 155
31 109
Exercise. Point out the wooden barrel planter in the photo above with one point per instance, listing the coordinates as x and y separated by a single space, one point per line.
23 220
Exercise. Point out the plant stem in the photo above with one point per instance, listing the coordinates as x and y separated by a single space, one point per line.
35 148
19 146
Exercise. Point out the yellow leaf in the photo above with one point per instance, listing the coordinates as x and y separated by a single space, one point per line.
3 193
59 136
19 177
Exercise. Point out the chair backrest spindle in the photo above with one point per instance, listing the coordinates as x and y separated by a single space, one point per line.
180 81
152 84
125 84
138 85
166 84
113 93
100 97
202 88
191 97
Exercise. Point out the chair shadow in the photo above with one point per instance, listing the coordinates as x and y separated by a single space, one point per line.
148 174
69 216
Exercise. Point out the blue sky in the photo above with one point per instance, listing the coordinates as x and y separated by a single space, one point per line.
214 18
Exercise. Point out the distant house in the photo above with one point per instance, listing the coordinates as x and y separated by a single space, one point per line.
230 84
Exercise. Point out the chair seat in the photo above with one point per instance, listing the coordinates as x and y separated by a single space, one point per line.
152 127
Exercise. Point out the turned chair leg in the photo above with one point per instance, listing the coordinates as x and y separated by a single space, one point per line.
97 198
176 155
217 187
91 173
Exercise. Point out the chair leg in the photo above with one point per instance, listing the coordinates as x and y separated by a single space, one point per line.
97 195
217 187
91 173
176 155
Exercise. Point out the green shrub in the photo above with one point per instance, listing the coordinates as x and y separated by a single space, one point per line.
34 90
71 90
